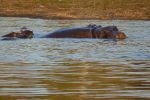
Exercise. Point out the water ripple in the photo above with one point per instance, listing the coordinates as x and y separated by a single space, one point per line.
71 69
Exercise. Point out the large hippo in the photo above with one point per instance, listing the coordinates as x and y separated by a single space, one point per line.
90 31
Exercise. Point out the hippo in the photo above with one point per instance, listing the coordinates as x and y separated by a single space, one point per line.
23 34
90 31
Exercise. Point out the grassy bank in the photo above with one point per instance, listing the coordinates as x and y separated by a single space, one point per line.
77 9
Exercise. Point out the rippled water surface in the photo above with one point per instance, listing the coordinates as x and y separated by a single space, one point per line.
75 69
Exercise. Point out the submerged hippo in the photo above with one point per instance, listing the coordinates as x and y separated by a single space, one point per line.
24 34
90 31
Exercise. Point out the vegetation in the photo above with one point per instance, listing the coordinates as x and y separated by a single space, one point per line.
99 9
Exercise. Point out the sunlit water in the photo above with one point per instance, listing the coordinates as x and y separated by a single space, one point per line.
75 69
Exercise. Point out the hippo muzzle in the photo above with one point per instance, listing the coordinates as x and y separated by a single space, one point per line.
119 35
109 32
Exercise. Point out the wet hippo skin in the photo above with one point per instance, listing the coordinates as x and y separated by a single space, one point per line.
90 31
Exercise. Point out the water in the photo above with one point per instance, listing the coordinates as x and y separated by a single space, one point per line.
75 69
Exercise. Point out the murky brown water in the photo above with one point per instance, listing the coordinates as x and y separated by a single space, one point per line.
75 69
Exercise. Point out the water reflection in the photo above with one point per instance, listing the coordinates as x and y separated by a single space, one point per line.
71 69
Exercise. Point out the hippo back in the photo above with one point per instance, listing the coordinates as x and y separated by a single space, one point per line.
75 32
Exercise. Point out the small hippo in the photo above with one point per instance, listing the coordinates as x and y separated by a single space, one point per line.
24 34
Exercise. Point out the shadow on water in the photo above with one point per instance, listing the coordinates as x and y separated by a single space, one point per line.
71 69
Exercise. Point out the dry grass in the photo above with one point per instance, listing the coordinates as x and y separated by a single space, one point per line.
100 9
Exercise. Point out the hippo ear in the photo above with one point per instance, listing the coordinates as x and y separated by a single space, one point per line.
114 28
30 32
91 25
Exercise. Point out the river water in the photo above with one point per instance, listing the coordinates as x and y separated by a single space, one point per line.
75 69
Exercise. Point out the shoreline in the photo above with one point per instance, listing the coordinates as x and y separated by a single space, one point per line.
63 18
77 9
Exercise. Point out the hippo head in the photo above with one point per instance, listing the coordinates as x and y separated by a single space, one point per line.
22 34
109 32
26 34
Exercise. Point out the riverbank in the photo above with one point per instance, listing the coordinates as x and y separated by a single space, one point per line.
77 9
